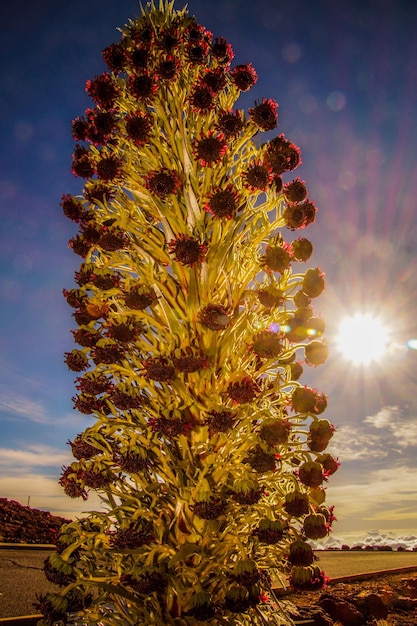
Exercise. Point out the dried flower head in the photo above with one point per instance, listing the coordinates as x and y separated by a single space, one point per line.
296 503
101 125
302 249
108 353
140 297
295 191
72 208
277 258
81 449
270 296
313 282
215 79
125 399
223 202
214 317
142 87
220 421
71 483
79 128
103 90
169 39
138 128
82 164
267 344
86 338
159 368
164 182
261 461
98 192
188 360
316 353
257 177
210 149
269 531
311 474
93 384
169 428
115 57
139 58
299 215
124 331
212 508
222 51
243 76
243 391
167 69
230 124
134 536
275 431
202 99
76 361
282 155
300 553
57 576
197 53
109 168
265 114
187 250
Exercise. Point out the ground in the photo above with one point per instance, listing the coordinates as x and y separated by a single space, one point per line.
396 590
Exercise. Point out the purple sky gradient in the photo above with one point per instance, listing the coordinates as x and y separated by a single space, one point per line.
345 77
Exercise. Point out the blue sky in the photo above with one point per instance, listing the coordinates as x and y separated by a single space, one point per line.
345 77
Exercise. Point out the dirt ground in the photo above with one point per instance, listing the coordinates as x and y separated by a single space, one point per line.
390 587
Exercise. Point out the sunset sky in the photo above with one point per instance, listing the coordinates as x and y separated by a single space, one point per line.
345 76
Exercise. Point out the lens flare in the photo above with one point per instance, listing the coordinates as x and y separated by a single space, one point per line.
362 339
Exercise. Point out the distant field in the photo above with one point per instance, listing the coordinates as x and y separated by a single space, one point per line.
338 563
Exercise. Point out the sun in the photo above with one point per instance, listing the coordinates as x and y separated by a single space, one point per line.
362 338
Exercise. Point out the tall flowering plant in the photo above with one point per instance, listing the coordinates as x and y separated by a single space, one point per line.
190 311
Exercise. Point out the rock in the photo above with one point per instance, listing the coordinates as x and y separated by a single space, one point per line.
408 587
371 605
341 611
320 617
408 590
314 614
405 604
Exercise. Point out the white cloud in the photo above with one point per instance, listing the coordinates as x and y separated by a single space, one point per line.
386 417
351 443
21 406
29 398
44 492
384 497
32 472
400 427
19 460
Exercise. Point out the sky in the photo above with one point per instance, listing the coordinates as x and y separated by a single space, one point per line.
345 77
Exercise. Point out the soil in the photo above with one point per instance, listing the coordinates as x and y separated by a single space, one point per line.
394 589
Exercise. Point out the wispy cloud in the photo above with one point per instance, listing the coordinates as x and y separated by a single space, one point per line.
385 495
398 423
19 460
21 406
30 398
385 417
44 492
350 445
